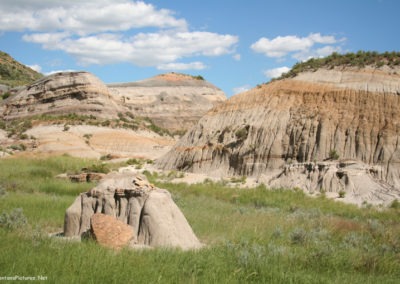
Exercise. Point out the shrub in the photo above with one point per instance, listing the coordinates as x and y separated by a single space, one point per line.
241 133
333 155
342 194
98 168
3 191
106 157
298 236
395 204
66 127
241 179
19 147
14 220
6 95
23 136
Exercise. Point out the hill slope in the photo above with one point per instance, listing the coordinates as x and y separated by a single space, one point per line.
173 101
288 131
13 73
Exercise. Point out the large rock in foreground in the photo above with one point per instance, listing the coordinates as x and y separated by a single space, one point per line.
155 219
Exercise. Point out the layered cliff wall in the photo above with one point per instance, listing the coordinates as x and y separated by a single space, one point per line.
62 93
173 101
349 112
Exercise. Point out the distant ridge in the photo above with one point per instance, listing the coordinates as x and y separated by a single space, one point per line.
360 59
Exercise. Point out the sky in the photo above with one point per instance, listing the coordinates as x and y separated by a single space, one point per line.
234 44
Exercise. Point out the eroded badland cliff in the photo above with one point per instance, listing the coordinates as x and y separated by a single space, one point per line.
76 113
291 131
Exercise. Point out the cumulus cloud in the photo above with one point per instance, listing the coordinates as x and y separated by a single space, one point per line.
276 72
319 52
241 89
281 46
108 31
182 66
83 17
143 49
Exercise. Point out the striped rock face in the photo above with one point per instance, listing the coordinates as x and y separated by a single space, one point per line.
62 93
348 111
172 101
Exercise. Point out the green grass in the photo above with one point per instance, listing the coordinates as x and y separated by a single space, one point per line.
251 236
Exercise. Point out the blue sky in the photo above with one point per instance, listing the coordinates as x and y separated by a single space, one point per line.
233 44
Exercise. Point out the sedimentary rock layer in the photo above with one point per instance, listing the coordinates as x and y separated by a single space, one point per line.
351 112
173 101
62 93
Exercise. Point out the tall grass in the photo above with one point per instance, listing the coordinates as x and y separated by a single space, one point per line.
251 236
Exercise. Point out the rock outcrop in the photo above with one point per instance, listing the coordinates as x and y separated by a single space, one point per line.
172 101
352 181
155 219
62 93
345 110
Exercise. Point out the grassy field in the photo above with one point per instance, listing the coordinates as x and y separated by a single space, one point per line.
251 235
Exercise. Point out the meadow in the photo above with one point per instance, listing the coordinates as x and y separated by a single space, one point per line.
250 235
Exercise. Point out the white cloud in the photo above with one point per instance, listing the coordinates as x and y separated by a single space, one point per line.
241 89
283 45
84 17
276 72
111 31
319 52
143 49
35 67
182 66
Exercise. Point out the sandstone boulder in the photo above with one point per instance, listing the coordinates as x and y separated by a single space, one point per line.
110 232
151 213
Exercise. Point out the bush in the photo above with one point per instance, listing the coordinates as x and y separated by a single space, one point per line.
6 95
342 194
333 155
14 220
241 133
98 168
19 147
106 157
298 236
3 192
395 204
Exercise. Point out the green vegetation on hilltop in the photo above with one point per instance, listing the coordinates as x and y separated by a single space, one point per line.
13 73
359 59
251 235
